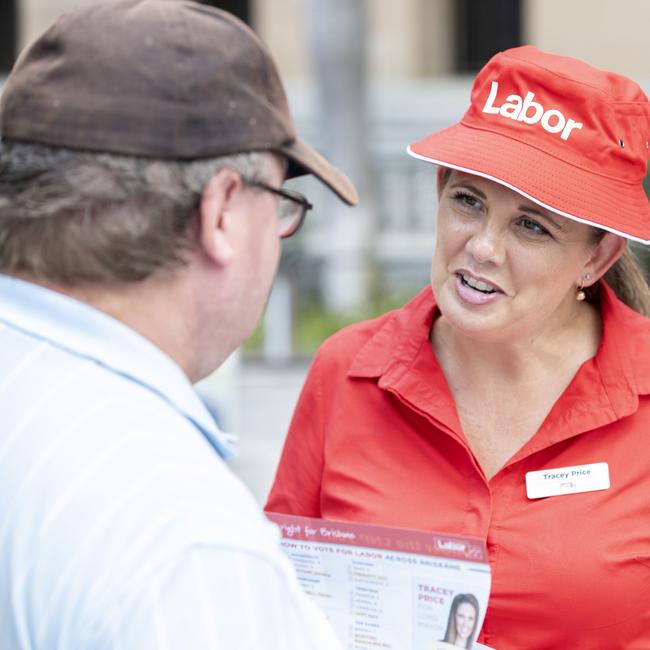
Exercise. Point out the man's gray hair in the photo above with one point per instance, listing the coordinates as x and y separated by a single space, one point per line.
74 217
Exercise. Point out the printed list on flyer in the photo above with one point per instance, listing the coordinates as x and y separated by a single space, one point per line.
390 588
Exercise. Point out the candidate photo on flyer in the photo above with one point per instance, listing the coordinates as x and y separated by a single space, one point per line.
462 622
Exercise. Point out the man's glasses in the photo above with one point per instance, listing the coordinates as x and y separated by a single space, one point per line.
292 208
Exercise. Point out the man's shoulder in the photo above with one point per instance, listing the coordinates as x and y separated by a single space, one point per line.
57 385
109 462
134 496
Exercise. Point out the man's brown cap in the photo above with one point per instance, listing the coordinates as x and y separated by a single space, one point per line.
168 79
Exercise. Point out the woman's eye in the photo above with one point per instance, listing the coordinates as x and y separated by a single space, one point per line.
467 200
533 226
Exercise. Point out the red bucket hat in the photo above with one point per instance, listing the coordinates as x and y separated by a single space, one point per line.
572 138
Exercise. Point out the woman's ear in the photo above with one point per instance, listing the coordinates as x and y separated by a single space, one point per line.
218 201
606 253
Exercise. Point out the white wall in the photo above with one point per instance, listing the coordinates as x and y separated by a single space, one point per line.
414 38
609 34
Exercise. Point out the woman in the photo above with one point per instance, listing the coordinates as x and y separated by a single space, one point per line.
463 617
511 399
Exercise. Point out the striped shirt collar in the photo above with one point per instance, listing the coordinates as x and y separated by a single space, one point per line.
89 333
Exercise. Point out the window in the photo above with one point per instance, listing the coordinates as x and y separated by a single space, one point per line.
239 8
7 35
483 28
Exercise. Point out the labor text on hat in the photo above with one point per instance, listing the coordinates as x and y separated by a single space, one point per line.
516 108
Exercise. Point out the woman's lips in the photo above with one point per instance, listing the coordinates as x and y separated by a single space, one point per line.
474 291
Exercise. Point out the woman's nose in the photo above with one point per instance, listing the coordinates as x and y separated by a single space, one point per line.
486 244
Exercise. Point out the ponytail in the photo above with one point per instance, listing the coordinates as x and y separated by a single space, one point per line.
628 282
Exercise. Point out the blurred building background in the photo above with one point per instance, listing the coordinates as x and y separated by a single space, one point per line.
365 78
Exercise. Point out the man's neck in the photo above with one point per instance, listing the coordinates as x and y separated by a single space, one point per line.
159 309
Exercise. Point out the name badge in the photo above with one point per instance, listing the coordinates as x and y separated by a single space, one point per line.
567 480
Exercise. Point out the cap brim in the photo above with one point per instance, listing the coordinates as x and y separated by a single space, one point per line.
555 184
303 159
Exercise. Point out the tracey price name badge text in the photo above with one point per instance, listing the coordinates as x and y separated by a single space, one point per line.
567 480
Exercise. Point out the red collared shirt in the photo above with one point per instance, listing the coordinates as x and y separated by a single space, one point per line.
376 438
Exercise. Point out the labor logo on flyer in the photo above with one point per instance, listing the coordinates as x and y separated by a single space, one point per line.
391 588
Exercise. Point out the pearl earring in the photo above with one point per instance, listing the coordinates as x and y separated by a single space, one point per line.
580 293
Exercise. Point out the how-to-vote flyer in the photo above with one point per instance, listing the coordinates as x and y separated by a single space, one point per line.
391 588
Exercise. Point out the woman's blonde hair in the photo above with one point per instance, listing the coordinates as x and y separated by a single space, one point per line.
629 283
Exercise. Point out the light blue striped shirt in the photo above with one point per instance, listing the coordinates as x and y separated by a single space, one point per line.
120 524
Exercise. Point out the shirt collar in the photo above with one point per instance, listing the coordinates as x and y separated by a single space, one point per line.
624 354
397 341
623 358
87 332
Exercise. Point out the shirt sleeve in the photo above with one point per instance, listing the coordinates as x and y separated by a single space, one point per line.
296 488
216 599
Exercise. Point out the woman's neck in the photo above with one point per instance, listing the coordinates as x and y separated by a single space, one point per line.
514 358
503 390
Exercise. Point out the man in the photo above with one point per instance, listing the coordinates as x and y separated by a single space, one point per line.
144 143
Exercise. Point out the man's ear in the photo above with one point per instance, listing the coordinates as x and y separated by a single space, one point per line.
215 210
606 253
